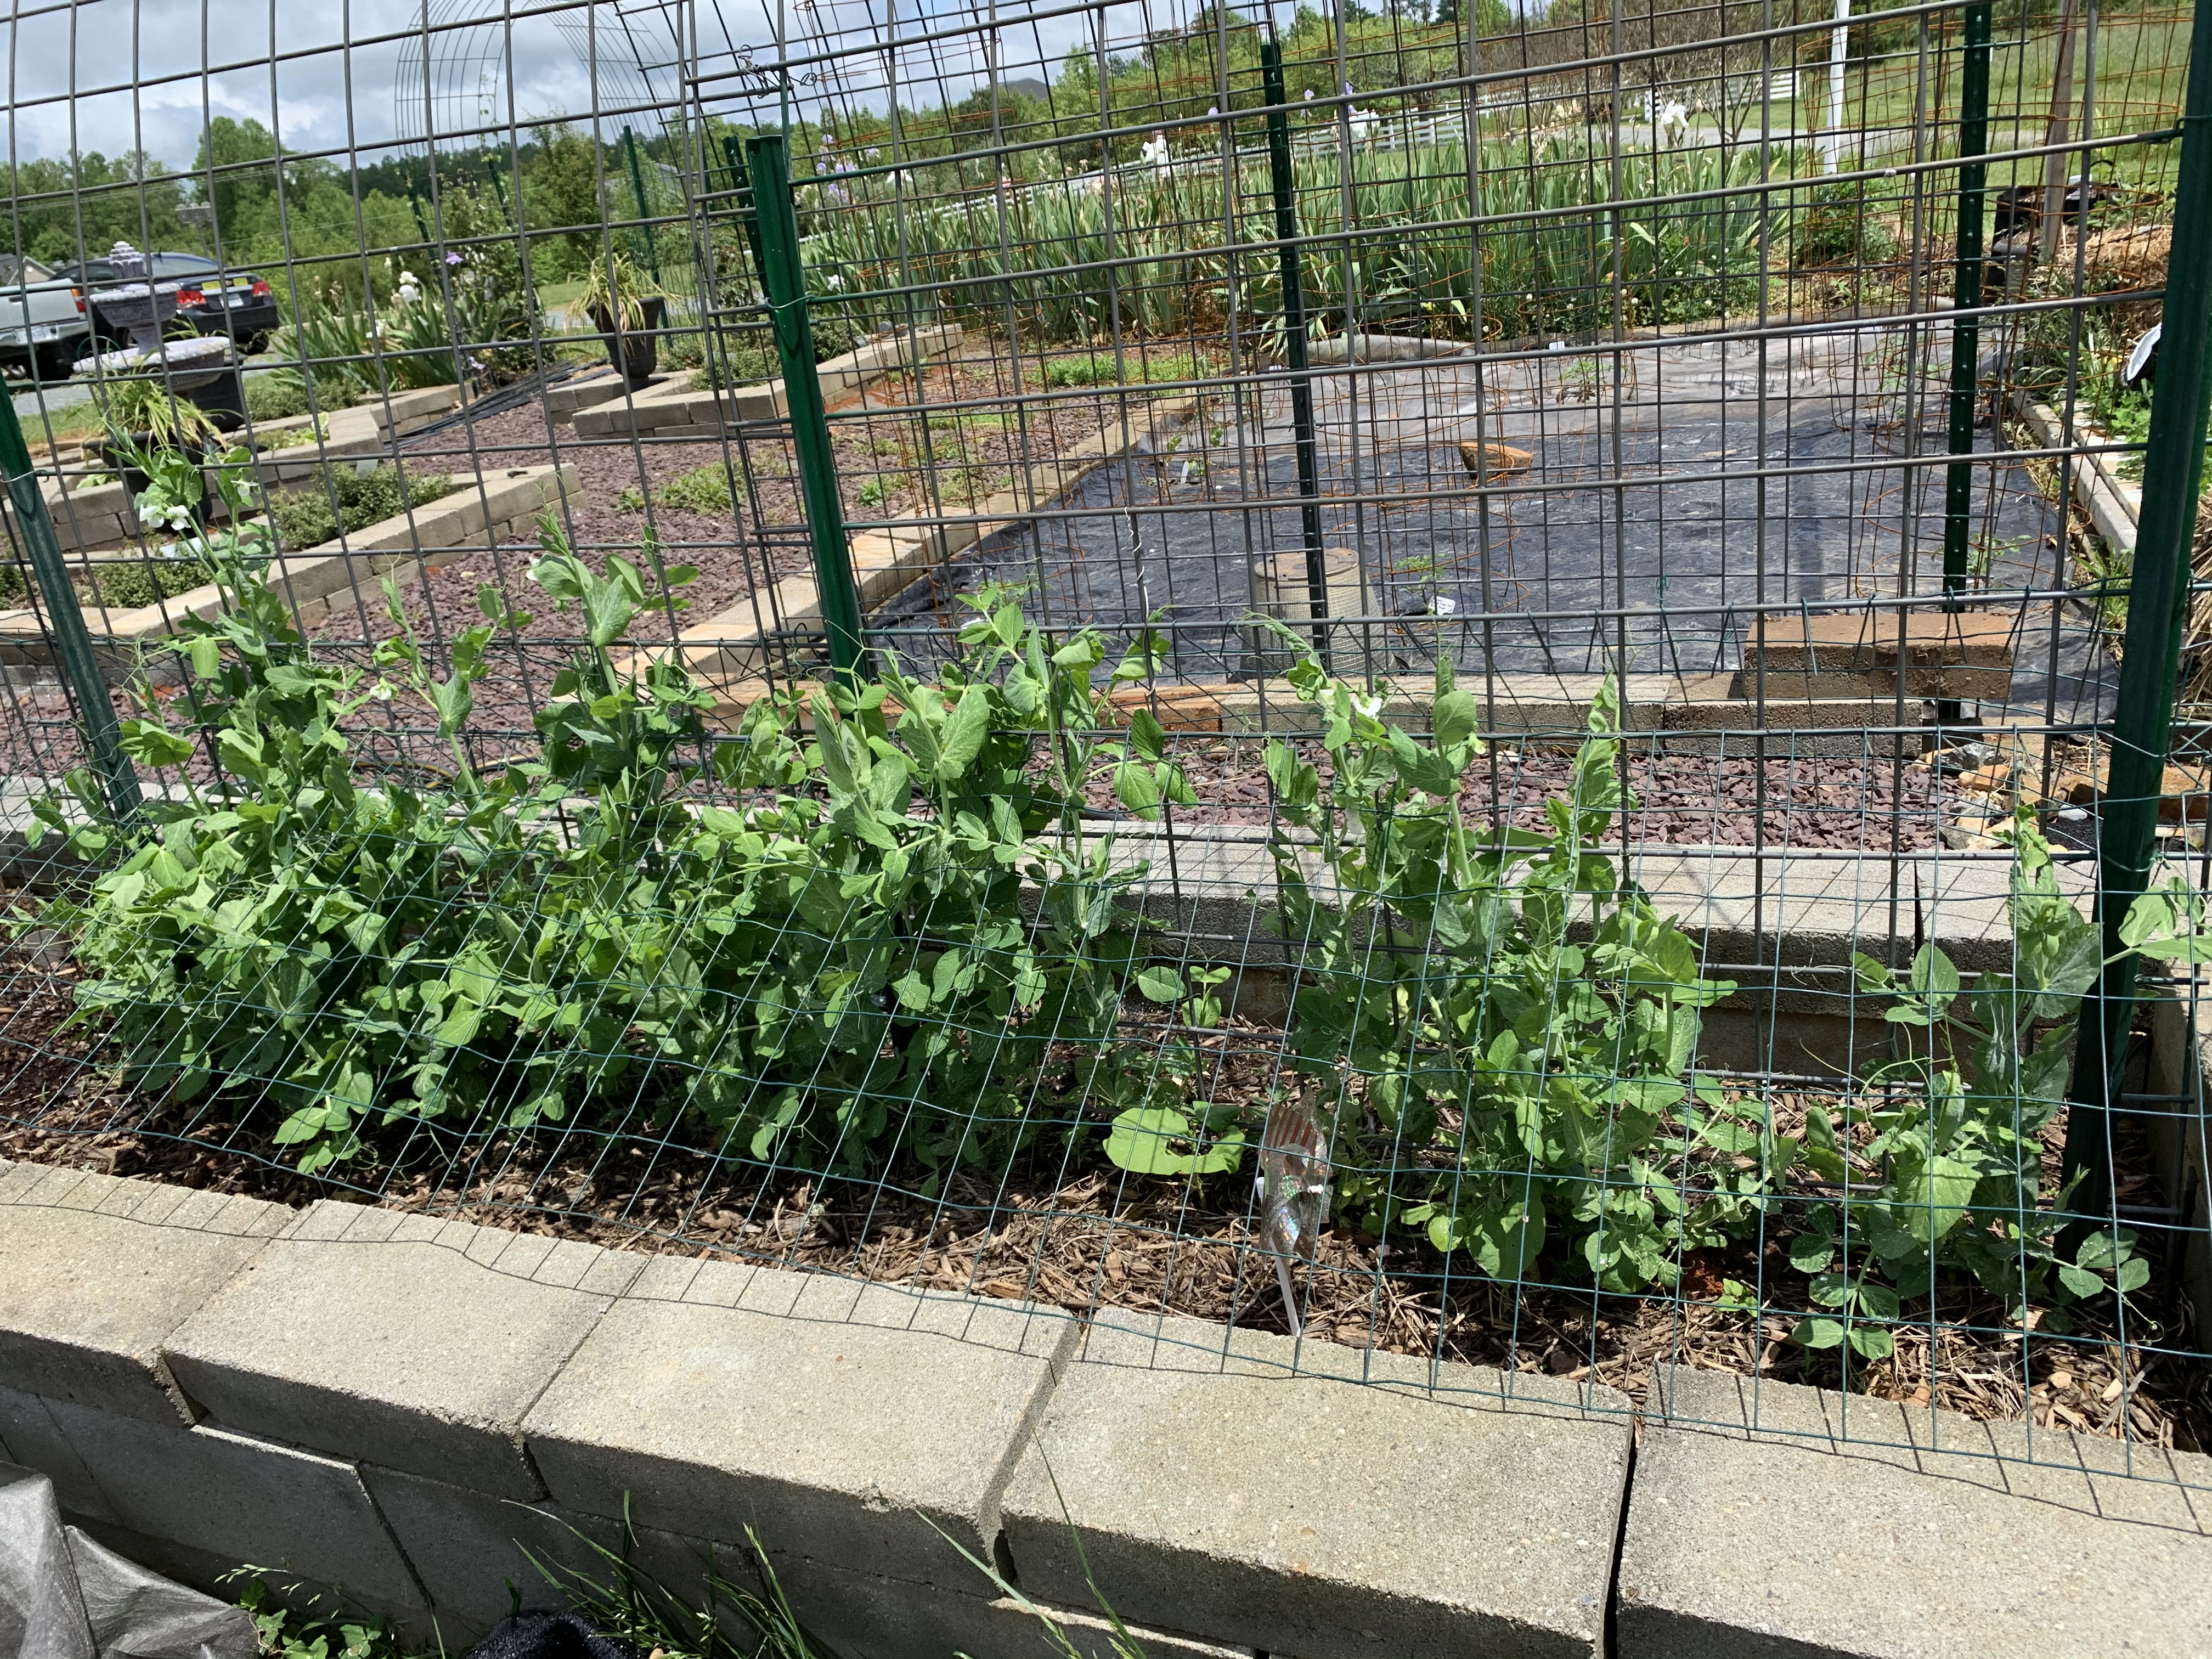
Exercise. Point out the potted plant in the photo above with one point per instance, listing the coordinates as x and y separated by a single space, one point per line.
143 415
626 310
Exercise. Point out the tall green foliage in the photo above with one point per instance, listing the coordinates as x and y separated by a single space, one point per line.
1070 263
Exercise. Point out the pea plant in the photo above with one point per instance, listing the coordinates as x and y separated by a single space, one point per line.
1520 1019
1940 1153
812 938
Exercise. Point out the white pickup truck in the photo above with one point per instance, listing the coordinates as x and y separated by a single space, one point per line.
43 322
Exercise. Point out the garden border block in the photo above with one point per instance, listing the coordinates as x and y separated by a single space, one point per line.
479 511
1214 1493
737 650
241 1499
1797 1543
466 1546
450 1333
827 1411
99 1272
106 516
842 1419
678 410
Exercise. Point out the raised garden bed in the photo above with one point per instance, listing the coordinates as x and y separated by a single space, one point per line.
87 518
478 512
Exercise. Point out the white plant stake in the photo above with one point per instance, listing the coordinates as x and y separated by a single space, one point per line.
1293 1189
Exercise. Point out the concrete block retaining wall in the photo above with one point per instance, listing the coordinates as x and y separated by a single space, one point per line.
105 515
481 512
672 409
413 1408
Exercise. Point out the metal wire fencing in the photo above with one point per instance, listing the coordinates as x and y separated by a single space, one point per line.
1494 687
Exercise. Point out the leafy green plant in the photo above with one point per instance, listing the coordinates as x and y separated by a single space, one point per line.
276 395
613 292
1839 226
349 501
1521 1020
746 361
1102 369
293 1622
1940 1156
843 972
702 490
140 407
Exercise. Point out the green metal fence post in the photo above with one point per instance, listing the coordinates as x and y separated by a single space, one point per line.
644 213
1294 335
1966 332
2158 601
733 151
786 282
117 775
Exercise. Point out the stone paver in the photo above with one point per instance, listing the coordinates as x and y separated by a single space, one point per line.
1853 1527
1214 1493
30 1437
232 1498
101 1270
848 1422
399 1340
467 1547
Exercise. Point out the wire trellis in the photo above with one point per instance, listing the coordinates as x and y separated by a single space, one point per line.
1511 625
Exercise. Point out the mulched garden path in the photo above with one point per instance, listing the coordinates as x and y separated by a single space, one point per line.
1801 804
1063 1227
894 461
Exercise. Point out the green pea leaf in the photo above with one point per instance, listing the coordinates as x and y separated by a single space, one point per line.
1161 984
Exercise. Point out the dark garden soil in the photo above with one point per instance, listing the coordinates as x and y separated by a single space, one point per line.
894 461
1061 1226
1786 805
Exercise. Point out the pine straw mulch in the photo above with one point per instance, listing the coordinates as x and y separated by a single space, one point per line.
1069 1230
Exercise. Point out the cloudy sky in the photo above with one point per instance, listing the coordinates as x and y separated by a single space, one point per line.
116 75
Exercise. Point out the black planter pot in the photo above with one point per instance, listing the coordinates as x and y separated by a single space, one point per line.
636 355
223 397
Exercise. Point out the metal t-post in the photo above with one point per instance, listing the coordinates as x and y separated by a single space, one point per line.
733 152
2158 602
117 775
644 213
1294 335
786 282
1966 332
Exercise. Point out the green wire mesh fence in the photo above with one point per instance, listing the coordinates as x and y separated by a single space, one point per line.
1495 688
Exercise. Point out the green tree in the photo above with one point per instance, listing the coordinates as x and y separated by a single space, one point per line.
560 206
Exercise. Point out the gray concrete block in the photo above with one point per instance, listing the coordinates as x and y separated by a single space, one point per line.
399 1340
101 1270
866 1615
29 1436
1769 1519
237 1499
842 1420
581 392
468 1548
1213 1492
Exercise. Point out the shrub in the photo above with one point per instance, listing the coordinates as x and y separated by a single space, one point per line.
349 501
276 395
1135 369
1839 228
126 584
702 490
748 360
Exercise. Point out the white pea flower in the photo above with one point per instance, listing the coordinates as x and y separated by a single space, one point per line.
381 691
